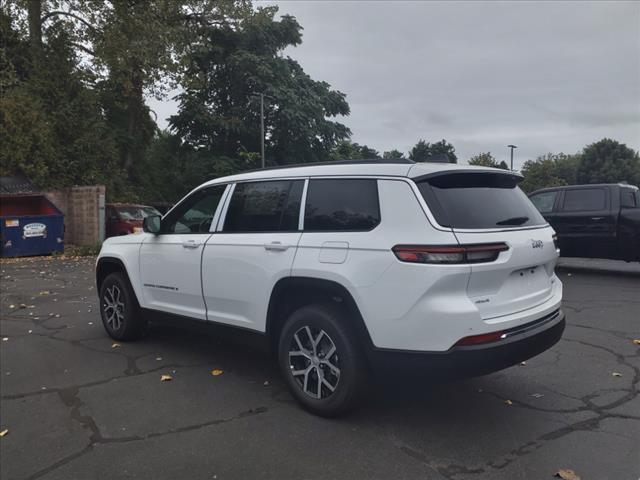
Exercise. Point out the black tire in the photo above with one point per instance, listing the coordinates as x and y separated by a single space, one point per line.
351 381
129 324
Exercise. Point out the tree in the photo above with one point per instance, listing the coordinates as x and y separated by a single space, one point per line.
393 155
131 49
51 124
368 153
422 151
609 161
347 150
484 160
233 60
549 170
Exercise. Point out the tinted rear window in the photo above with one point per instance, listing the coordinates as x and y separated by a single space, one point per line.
479 200
269 206
584 199
341 205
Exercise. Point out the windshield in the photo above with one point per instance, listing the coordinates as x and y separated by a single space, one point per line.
136 213
478 201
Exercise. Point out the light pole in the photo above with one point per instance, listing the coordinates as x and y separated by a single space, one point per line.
262 95
511 147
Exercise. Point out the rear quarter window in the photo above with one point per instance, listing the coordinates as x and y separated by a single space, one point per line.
341 205
584 199
479 200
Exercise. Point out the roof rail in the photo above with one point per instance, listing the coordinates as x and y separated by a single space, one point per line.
337 162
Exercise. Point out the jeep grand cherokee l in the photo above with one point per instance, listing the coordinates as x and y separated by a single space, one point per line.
344 266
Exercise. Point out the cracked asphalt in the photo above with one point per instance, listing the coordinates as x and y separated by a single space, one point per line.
76 407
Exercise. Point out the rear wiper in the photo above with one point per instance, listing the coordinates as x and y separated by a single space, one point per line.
513 221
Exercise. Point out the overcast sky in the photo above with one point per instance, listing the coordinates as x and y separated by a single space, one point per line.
545 76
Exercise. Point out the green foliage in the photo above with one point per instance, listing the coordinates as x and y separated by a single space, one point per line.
609 161
347 150
423 150
238 57
393 154
170 169
484 160
606 161
52 128
549 170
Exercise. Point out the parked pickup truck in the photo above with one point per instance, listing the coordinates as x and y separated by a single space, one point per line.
593 221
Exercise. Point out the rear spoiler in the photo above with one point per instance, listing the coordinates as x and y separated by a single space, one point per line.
490 171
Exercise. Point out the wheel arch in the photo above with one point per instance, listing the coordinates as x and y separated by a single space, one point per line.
291 293
108 265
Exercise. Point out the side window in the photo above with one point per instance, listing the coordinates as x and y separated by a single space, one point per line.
265 206
584 199
628 198
195 213
544 201
341 205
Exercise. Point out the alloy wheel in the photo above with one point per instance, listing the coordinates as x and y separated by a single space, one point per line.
314 362
113 307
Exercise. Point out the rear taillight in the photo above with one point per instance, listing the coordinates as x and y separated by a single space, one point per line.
453 254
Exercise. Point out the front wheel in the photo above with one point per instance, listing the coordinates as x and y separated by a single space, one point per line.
322 361
119 309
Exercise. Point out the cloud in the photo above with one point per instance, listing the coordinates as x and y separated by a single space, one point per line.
546 76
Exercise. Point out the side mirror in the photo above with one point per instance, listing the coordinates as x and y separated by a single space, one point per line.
151 224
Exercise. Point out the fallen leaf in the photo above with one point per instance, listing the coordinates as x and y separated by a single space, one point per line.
636 341
115 345
537 395
12 306
166 378
566 474
523 363
4 432
266 383
22 305
216 372
5 339
569 274
616 374
158 358
508 402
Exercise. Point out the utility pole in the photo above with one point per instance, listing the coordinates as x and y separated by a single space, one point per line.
262 95
511 147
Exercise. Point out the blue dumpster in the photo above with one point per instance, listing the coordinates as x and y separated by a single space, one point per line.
30 225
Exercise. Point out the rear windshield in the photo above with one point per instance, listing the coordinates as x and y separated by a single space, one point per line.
479 200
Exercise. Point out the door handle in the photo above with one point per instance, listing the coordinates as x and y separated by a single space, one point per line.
190 244
276 246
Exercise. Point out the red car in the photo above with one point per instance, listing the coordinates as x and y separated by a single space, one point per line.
126 218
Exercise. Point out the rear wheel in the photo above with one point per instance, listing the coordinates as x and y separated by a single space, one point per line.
119 309
321 360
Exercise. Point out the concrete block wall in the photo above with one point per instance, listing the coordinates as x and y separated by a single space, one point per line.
81 208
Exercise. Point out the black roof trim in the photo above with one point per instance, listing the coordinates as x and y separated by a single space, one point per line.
373 161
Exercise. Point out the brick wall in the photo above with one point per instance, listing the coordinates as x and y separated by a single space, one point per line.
81 208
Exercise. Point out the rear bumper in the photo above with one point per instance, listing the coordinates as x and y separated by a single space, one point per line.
468 361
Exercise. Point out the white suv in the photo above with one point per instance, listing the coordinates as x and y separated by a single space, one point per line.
340 267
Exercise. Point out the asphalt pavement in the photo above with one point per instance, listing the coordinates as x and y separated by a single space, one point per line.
76 405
